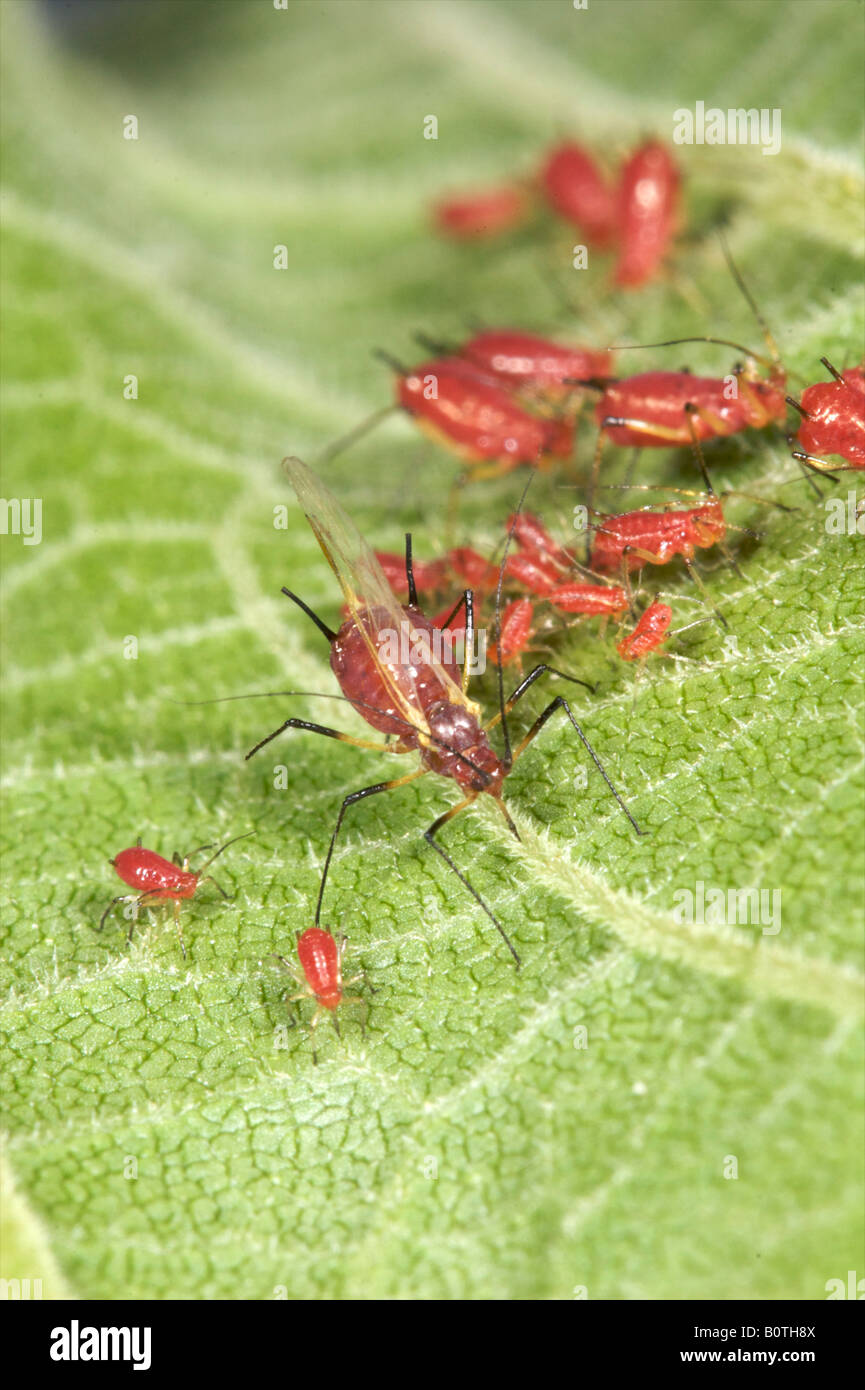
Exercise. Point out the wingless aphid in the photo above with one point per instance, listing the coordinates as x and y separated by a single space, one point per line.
415 697
162 880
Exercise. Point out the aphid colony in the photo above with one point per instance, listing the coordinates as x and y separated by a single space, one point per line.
504 399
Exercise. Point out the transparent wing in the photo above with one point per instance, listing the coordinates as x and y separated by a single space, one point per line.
370 599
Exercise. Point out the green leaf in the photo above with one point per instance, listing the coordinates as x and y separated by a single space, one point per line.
164 1144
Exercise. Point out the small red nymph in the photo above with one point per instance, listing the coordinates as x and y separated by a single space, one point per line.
579 193
648 634
159 880
320 956
475 216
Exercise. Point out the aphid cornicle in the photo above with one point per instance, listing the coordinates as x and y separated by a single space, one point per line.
413 695
320 977
159 880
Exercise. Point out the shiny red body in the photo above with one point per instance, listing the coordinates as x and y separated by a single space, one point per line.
318 954
645 213
648 634
451 724
836 418
578 191
658 536
516 629
525 360
478 215
472 413
659 398
149 873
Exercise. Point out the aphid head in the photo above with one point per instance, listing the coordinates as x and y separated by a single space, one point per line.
707 525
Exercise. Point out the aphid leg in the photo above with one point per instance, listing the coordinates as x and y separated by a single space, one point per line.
429 836
349 801
561 703
178 926
208 878
692 571
356 999
528 681
632 465
593 487
122 898
137 898
816 464
469 600
317 729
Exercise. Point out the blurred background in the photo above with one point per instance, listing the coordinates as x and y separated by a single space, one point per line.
468 1148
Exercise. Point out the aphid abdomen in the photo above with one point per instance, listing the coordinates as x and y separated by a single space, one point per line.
319 958
404 655
151 874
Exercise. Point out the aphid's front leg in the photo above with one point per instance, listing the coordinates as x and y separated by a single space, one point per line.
561 703
317 729
349 801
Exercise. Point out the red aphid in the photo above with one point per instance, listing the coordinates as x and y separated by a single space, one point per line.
429 575
415 693
535 571
471 413
648 634
320 957
652 537
525 360
833 419
593 600
516 630
471 569
475 216
158 880
645 213
651 411
578 192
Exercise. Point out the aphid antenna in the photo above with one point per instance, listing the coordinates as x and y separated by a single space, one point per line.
500 679
435 345
245 836
390 361
365 426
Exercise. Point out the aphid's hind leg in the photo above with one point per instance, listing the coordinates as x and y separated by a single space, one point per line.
429 836
561 703
137 898
317 729
349 801
122 898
